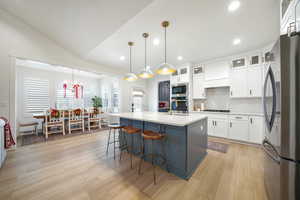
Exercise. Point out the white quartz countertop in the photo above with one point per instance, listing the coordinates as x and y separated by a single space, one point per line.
228 113
163 118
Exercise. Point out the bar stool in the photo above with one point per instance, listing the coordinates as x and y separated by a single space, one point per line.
114 127
153 136
130 130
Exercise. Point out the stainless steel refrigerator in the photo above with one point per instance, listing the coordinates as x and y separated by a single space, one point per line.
281 103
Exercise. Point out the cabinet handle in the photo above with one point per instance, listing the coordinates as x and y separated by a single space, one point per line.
250 92
216 123
230 124
213 123
230 93
251 120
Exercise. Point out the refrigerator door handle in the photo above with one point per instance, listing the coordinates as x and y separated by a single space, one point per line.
273 115
266 146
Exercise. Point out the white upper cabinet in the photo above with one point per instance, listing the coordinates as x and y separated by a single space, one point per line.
198 82
246 77
198 88
182 75
238 83
254 81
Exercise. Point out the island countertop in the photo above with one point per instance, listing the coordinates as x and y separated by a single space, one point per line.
163 118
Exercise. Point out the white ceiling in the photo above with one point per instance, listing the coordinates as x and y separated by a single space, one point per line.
77 25
199 30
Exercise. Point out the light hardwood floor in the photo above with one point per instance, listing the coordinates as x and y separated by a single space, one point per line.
78 168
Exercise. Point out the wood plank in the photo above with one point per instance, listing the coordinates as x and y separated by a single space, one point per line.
78 168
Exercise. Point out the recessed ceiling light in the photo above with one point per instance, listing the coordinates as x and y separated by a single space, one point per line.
233 6
236 41
179 58
156 41
122 58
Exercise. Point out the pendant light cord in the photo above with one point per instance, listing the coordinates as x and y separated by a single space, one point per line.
145 53
130 60
165 44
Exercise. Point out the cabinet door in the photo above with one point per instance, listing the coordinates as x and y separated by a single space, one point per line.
198 87
174 77
184 75
238 130
238 87
255 129
254 81
221 128
211 127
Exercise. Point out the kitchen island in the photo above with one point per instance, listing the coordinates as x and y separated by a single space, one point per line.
185 143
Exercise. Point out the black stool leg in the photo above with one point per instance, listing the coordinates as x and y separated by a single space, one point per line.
114 144
153 166
131 149
142 156
108 141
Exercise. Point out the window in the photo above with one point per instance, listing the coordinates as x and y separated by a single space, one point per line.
110 93
137 100
36 93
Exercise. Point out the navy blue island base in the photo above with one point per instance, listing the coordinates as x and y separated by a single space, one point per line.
184 146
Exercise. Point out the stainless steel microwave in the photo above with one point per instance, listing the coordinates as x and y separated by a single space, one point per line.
180 89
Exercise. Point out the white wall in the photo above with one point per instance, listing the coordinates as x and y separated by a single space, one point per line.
126 94
18 39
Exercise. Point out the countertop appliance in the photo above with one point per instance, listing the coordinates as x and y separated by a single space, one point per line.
281 103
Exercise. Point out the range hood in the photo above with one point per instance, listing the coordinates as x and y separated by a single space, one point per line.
223 82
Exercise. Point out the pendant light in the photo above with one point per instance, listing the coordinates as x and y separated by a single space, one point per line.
165 68
130 76
146 73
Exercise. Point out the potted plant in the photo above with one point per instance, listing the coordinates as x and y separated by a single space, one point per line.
97 103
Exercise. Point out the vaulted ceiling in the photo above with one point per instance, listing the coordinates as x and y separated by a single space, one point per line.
99 30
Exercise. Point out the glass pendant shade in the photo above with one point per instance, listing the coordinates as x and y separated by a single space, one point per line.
146 73
165 69
130 77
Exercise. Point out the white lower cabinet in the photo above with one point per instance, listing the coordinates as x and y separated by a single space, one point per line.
238 128
246 128
256 128
218 126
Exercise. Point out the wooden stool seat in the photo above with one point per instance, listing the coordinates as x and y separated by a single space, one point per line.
151 135
29 124
115 126
131 129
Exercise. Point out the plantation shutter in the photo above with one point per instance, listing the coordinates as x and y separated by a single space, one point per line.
36 92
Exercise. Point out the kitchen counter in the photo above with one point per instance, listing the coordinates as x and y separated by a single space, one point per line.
164 118
227 113
185 143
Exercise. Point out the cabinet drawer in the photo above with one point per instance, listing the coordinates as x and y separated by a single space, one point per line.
238 117
216 116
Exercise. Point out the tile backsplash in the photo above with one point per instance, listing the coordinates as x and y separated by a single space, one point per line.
218 98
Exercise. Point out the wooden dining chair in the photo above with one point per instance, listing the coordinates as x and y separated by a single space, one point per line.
94 119
54 119
76 118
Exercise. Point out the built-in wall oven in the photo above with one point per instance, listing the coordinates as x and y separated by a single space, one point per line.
179 98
